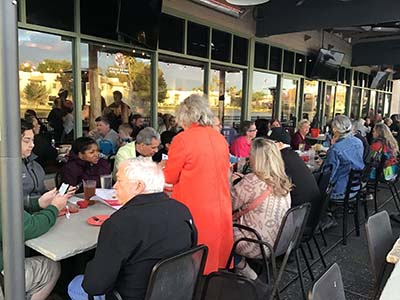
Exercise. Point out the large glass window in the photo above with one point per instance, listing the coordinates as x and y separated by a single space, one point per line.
261 56
355 103
264 95
45 67
181 81
288 101
275 59
197 39
106 70
229 103
386 108
240 50
310 99
171 33
221 45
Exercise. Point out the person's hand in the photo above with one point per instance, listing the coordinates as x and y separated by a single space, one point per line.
92 133
71 191
46 198
162 163
60 201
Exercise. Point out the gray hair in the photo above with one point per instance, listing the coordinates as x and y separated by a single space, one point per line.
302 122
144 169
194 110
146 136
342 125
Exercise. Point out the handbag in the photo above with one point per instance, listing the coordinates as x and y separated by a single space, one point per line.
253 205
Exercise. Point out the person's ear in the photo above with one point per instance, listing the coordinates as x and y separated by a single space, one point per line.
80 155
140 187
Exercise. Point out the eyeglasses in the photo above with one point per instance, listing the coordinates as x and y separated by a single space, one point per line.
252 130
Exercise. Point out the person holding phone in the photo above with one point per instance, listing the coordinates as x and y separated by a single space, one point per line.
41 273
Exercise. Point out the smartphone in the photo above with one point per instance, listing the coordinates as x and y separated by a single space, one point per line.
164 156
63 189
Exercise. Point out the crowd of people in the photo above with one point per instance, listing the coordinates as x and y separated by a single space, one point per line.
188 152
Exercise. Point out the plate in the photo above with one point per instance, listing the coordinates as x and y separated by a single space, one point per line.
97 220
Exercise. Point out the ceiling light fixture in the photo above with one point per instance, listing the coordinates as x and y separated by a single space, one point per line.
221 7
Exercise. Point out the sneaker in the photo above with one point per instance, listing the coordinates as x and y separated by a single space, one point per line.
246 271
328 222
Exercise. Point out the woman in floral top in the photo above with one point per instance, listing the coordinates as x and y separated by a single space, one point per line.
384 146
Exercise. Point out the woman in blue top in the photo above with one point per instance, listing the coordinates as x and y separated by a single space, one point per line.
346 153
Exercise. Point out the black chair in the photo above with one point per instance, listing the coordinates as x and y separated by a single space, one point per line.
177 277
314 218
329 286
352 197
380 241
289 235
381 182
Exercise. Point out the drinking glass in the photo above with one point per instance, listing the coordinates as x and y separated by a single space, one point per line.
302 147
89 190
106 181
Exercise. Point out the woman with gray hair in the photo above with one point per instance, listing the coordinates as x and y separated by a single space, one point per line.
198 168
346 153
299 138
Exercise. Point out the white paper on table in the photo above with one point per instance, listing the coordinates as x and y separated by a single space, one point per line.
108 197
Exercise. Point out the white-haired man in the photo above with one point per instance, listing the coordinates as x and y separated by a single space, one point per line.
147 228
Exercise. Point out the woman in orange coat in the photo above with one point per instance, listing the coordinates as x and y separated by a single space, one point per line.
198 167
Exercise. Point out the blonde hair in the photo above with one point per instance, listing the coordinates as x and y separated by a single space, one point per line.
386 136
302 123
267 164
194 110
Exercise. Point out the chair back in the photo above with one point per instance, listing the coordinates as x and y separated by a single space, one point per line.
177 277
225 285
380 241
293 222
354 183
329 286
106 147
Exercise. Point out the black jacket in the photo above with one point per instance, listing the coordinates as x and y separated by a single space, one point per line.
145 230
305 186
32 179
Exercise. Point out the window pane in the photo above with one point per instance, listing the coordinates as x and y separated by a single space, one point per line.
355 103
329 104
288 62
275 59
106 70
55 14
45 67
365 103
386 109
221 45
288 102
232 104
264 95
181 81
340 103
171 33
300 64
310 99
240 50
197 40
261 56
99 20
310 65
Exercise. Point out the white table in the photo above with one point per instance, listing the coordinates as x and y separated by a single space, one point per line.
319 138
69 237
391 289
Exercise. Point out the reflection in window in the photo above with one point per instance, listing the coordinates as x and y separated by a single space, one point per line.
379 107
264 95
340 103
310 99
329 103
365 103
355 103
232 94
106 70
45 66
288 101
372 103
181 81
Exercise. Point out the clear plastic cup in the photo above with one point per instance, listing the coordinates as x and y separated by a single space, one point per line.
106 181
89 190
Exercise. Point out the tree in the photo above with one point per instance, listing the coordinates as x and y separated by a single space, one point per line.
36 93
58 66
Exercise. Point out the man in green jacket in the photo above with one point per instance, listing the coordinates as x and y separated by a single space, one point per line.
41 273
